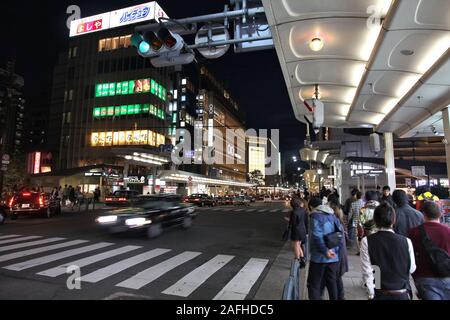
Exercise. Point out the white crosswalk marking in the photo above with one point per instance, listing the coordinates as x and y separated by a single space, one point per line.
251 210
10 236
29 244
196 278
273 211
55 257
115 268
239 210
264 210
60 270
18 239
286 210
239 287
147 276
30 252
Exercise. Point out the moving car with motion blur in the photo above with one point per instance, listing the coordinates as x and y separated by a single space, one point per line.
33 203
122 198
241 201
202 199
150 214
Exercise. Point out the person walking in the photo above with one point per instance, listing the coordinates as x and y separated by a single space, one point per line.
343 255
72 197
393 254
65 195
298 224
429 283
386 197
353 216
366 222
324 264
406 217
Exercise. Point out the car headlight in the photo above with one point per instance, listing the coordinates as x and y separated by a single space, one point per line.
137 222
107 219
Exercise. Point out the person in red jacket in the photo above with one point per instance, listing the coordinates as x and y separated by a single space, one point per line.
428 284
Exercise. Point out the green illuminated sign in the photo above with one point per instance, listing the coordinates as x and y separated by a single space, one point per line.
130 87
126 110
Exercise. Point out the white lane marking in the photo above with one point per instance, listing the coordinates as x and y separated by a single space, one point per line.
60 270
30 252
286 210
239 287
276 210
264 210
196 278
18 239
55 257
115 268
29 244
10 236
149 275
238 210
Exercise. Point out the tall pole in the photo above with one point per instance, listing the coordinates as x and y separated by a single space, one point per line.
389 159
446 120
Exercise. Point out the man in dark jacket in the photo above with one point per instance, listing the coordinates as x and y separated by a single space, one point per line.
406 217
386 197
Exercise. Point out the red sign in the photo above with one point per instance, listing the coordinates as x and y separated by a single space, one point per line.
90 26
37 163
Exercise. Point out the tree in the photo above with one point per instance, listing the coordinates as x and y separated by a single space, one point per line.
257 178
16 175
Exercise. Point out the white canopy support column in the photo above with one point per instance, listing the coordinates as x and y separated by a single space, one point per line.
446 120
389 160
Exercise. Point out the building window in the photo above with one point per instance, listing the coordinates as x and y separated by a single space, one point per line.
70 95
115 43
74 52
65 96
68 117
102 45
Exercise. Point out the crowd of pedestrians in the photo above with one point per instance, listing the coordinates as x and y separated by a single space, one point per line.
393 240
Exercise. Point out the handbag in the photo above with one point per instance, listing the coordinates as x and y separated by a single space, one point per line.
334 239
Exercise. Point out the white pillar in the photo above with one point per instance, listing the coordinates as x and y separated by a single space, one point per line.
446 120
389 160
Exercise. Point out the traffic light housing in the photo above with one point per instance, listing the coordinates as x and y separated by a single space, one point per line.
163 47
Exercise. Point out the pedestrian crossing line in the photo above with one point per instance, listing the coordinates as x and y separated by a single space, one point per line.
196 278
273 211
9 236
30 252
29 244
264 210
286 210
238 210
62 269
18 239
149 275
55 257
239 287
251 210
120 266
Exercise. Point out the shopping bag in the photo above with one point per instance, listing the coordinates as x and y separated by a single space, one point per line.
291 290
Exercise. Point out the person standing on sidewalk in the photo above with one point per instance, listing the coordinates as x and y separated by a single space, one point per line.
298 224
393 256
405 217
353 216
324 265
429 284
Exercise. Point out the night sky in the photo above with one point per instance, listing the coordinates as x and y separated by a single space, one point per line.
33 32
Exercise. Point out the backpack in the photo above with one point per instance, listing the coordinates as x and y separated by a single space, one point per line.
440 259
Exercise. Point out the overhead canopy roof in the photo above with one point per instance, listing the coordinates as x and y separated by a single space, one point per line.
370 71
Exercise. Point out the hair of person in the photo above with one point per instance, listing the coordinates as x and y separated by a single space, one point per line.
296 202
386 188
384 216
359 195
371 195
333 198
354 192
315 202
399 197
431 210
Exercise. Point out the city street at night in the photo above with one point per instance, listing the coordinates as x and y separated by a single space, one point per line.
226 234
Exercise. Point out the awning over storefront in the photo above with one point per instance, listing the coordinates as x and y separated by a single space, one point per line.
185 177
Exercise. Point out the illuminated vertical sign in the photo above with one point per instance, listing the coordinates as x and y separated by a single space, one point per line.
37 163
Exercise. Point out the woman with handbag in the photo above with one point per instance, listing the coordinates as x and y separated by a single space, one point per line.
298 227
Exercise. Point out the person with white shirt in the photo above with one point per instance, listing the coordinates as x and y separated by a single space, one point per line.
387 259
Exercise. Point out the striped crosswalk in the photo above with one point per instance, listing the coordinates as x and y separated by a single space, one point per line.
245 210
107 261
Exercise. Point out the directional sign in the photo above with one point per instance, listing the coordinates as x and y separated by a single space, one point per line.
418 171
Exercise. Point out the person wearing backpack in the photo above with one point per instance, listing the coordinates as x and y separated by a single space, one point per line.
431 243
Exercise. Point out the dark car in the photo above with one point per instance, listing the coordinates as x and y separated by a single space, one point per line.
33 203
202 199
151 214
122 198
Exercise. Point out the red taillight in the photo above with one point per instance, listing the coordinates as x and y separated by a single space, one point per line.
108 199
26 194
41 201
11 202
123 199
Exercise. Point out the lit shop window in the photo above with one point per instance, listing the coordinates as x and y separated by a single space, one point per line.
131 87
127 110
109 44
127 138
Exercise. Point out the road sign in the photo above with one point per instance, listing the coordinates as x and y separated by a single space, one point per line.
418 171
6 157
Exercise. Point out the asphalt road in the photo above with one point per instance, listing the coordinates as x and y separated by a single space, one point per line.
225 255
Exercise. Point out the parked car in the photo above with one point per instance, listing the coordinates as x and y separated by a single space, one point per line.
228 200
202 199
33 203
241 201
3 209
267 199
151 214
122 198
